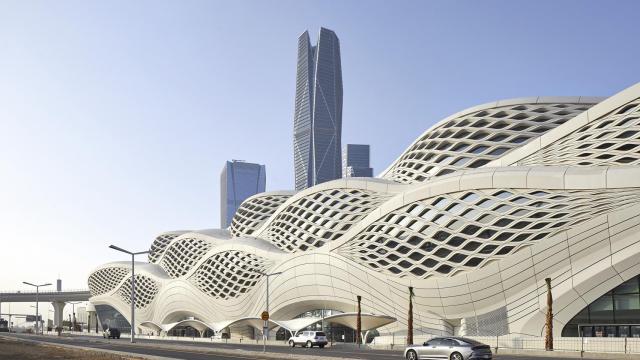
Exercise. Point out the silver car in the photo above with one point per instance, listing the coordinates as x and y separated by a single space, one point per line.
449 348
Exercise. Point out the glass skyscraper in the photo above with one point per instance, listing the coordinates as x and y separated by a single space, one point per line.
355 161
238 181
317 126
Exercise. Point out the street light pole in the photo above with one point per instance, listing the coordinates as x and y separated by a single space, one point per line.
133 286
37 293
73 310
265 329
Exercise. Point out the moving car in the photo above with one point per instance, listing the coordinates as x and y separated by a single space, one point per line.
449 348
111 333
309 339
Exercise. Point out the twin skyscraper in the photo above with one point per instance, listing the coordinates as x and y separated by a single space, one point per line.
317 129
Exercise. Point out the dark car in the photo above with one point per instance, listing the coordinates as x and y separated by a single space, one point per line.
111 333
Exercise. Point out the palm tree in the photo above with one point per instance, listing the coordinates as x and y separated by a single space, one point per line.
548 338
410 318
358 323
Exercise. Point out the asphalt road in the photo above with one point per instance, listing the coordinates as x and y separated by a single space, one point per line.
197 351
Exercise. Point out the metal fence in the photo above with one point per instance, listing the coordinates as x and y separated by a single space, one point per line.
613 345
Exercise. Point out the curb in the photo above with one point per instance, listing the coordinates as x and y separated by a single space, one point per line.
76 347
202 350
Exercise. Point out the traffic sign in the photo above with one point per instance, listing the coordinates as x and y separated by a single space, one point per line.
265 315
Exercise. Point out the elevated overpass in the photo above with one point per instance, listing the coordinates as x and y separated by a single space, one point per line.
57 298
45 296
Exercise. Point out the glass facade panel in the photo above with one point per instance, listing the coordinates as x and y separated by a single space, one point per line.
586 331
628 287
610 331
111 318
238 181
623 331
317 125
614 314
601 310
627 308
582 317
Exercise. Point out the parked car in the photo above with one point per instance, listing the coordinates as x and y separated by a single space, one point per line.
309 339
111 333
449 348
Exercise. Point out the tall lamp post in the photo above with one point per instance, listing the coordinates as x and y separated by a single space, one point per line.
48 317
37 293
73 310
265 329
133 286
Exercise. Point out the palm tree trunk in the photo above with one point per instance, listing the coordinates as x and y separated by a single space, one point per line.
359 324
548 338
410 318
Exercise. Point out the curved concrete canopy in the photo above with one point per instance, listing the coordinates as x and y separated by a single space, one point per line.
368 321
151 325
255 322
295 325
196 324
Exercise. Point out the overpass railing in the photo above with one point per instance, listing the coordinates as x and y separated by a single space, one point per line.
31 292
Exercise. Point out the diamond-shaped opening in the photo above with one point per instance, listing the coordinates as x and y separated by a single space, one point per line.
505 250
444 269
498 151
455 241
473 262
471 245
428 246
415 240
488 249
441 236
442 252
486 233
391 244
395 270
469 197
403 249
429 263
470 229
503 236
478 163
458 258
503 222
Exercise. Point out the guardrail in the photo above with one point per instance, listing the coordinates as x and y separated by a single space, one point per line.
613 345
31 292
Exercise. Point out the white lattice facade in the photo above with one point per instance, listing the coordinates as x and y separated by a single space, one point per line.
474 215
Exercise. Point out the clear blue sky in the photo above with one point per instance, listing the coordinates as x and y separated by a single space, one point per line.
116 117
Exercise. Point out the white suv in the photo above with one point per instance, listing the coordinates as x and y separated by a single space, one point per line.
309 339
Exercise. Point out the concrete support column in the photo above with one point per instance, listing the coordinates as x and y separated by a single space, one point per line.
58 309
91 321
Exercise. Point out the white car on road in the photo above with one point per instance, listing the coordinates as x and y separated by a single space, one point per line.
309 339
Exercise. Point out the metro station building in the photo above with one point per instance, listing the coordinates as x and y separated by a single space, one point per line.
473 216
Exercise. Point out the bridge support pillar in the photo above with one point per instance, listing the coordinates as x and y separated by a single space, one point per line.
92 321
58 309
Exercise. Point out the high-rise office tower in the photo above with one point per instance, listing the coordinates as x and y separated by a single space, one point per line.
355 161
317 125
238 181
